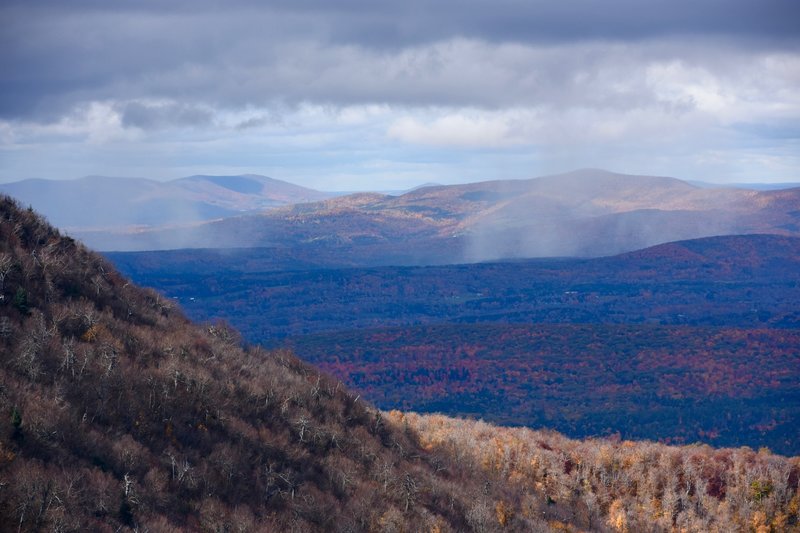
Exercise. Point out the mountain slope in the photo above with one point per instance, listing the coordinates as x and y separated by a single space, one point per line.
120 413
100 202
635 487
584 213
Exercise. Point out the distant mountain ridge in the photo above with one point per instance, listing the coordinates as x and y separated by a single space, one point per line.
101 202
583 213
753 186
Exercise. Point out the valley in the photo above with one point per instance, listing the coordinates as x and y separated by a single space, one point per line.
745 281
682 342
679 385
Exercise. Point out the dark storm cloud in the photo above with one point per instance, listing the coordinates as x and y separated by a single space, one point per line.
56 55
376 23
525 21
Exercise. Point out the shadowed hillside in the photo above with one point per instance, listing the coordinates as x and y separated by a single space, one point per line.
678 384
117 412
682 342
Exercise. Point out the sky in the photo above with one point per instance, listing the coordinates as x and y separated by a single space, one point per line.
364 94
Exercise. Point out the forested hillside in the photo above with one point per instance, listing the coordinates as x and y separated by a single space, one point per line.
117 412
682 342
676 384
744 281
624 486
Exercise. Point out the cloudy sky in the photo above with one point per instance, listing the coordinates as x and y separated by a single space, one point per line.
363 94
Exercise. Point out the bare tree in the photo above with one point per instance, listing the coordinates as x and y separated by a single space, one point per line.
6 264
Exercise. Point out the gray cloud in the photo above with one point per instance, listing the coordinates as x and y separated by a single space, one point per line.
471 89
162 115
56 55
370 23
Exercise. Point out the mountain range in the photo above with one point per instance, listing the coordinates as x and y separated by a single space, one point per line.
582 213
102 202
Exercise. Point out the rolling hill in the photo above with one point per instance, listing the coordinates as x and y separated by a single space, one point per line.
750 281
583 213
